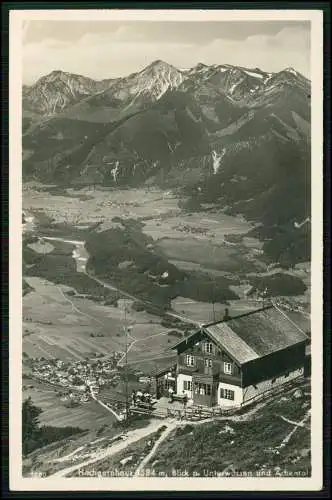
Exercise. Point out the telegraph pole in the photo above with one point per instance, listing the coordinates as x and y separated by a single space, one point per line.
213 290
126 361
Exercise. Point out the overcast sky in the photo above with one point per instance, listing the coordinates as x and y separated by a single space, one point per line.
111 49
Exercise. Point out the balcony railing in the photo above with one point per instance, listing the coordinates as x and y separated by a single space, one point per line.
183 368
206 372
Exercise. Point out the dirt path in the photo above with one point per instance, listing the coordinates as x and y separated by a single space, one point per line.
70 455
171 424
74 308
132 437
300 424
170 427
118 417
297 425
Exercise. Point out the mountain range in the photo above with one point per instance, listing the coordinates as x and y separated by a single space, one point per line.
232 136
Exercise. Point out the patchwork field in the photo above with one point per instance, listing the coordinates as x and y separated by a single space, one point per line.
202 252
89 206
204 312
163 220
59 326
203 225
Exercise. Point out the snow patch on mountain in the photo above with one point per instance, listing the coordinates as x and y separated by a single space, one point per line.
292 71
57 90
252 73
216 160
157 78
268 78
115 171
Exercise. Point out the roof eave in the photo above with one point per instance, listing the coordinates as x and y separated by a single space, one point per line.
201 330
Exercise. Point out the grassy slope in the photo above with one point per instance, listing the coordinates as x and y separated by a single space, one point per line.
206 448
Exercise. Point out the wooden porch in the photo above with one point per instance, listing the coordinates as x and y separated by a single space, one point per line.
164 409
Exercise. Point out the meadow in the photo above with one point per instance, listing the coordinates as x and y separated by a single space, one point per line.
218 446
57 325
204 253
205 312
90 415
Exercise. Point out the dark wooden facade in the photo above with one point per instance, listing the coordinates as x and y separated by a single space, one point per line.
208 368
211 365
273 365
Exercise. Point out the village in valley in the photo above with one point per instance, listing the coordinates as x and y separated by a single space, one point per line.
78 382
77 375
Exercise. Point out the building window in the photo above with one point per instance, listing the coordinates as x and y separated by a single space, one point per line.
208 347
208 363
203 389
190 360
228 368
187 385
227 394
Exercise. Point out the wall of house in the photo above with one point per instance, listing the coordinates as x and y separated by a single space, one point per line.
179 384
253 391
196 348
238 395
273 365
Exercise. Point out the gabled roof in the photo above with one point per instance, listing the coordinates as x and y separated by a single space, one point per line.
224 336
255 334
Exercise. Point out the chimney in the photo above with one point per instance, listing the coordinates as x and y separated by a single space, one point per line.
226 314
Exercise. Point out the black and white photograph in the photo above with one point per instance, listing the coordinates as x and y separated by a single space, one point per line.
166 219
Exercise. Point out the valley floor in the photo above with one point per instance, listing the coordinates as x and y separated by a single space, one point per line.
62 323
